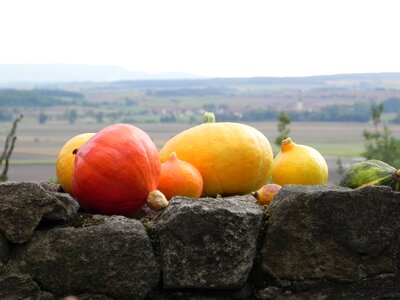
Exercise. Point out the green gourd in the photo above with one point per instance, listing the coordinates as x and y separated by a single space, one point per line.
371 172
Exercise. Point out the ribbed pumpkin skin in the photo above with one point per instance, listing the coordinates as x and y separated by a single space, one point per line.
233 158
371 172
115 171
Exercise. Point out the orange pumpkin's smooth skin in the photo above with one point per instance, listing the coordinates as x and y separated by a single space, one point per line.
180 178
233 158
116 170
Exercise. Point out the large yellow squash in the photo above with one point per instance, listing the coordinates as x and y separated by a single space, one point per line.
233 158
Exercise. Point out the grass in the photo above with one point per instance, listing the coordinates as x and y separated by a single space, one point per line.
27 162
339 149
333 139
38 144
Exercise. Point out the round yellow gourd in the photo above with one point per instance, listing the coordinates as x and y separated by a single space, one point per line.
233 158
299 164
65 160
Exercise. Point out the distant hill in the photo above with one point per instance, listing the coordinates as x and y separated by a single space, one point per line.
11 73
361 81
45 75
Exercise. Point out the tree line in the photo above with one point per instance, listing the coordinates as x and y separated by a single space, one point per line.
38 97
379 143
356 112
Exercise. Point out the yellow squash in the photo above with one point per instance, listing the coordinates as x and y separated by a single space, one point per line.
233 158
299 164
66 159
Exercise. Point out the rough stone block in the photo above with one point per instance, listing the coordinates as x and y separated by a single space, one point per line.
110 256
332 233
4 249
24 204
208 243
18 286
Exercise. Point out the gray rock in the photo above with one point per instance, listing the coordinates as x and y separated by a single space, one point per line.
110 256
24 204
380 287
86 296
244 293
18 286
43 296
208 243
272 293
4 249
333 233
50 187
70 207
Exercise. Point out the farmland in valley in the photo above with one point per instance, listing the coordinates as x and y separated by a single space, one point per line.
328 113
38 144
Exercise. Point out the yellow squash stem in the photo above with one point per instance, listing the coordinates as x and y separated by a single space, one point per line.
287 144
209 117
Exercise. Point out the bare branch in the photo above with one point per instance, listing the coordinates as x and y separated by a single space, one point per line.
9 138
3 176
8 148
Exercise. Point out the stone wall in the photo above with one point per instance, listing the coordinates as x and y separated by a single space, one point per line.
320 242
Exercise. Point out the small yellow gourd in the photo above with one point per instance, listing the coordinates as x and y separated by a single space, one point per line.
156 200
299 164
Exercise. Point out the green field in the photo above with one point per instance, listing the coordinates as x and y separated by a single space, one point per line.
38 144
165 108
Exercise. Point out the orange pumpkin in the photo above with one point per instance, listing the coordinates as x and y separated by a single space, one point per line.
233 158
179 178
116 170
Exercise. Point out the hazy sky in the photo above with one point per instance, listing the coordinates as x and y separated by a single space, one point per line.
206 37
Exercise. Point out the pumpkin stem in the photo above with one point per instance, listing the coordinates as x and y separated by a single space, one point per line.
173 155
396 175
209 117
287 144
